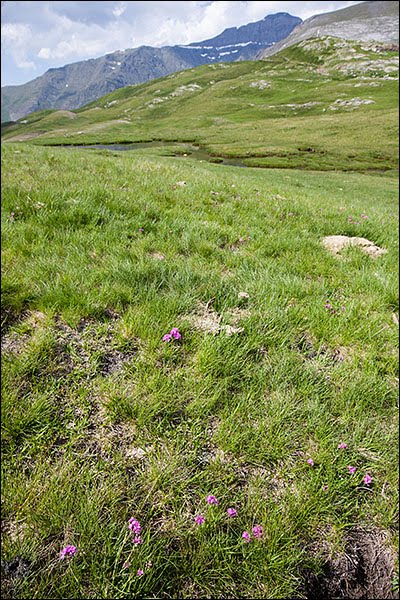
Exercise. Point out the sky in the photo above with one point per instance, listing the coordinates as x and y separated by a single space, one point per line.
39 35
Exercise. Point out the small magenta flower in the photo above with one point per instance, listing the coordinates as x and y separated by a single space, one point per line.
258 531
325 487
67 552
231 512
167 337
175 333
139 572
137 540
141 229
352 470
212 500
367 479
246 536
199 520
134 525
310 462
126 565
342 446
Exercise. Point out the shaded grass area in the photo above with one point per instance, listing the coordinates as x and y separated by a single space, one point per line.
103 254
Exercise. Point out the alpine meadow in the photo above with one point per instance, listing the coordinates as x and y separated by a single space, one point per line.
200 334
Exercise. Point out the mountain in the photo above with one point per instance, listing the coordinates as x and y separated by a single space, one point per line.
366 21
322 104
76 84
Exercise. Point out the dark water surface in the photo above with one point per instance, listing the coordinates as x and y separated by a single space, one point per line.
189 152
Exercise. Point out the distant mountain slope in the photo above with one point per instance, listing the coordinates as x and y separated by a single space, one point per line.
366 21
323 104
76 84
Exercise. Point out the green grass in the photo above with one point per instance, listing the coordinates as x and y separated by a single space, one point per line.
293 120
103 421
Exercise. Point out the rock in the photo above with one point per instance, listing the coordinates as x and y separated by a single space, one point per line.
336 243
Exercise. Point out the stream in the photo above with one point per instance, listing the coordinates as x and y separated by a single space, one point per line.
191 151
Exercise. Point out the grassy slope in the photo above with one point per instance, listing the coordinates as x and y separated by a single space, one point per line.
274 127
86 447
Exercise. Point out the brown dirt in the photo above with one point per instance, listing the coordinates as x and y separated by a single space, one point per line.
206 319
363 571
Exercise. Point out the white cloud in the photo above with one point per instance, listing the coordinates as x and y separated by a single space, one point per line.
119 9
44 53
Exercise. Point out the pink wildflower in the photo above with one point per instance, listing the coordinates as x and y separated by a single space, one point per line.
212 500
231 512
134 525
175 333
367 479
310 462
342 446
139 572
246 536
141 229
137 540
199 520
167 337
352 470
258 531
67 552
126 565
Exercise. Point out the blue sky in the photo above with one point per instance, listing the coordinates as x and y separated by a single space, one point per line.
36 36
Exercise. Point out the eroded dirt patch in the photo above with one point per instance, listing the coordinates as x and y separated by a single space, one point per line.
336 243
364 570
206 319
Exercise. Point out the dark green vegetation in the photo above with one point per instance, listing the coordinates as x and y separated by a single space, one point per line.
308 107
104 252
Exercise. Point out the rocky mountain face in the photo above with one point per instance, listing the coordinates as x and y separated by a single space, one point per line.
367 21
77 84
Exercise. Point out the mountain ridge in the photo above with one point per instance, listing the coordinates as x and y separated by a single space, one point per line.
366 21
76 84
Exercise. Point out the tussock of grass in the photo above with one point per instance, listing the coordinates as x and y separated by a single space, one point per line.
102 420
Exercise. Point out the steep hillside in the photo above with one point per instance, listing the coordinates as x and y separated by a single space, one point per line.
322 104
366 21
76 84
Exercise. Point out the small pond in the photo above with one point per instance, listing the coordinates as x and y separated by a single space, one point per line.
183 151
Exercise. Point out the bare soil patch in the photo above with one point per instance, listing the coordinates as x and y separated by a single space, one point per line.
363 571
206 319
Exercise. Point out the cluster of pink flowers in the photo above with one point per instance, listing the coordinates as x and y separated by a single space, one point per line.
68 551
231 512
213 501
174 334
134 526
331 309
258 532
351 220
367 478
343 446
